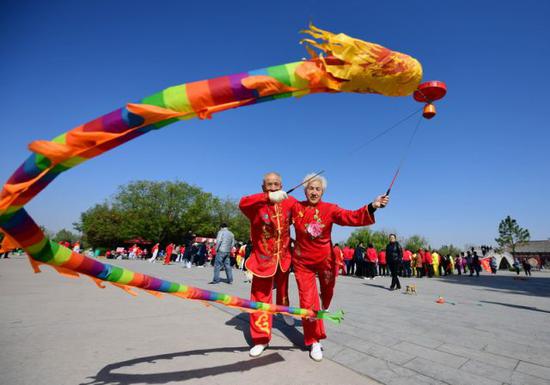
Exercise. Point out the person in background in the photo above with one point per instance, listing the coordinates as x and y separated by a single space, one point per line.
212 253
201 254
458 263
224 243
240 256
526 267
359 259
469 263
419 263
394 256
187 248
339 258
428 263
414 257
382 263
451 264
168 253
177 252
370 261
443 265
476 264
436 263
515 265
348 260
76 247
407 256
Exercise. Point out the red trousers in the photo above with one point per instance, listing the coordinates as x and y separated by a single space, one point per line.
314 329
262 290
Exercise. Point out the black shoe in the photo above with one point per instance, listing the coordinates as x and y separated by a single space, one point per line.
213 283
230 283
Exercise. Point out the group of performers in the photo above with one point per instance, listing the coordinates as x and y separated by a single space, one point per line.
271 213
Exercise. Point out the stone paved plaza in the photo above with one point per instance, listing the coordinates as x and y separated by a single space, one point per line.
57 330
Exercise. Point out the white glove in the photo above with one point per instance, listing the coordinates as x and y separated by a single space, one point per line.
277 196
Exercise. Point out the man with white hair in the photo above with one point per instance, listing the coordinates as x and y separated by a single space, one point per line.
269 262
313 254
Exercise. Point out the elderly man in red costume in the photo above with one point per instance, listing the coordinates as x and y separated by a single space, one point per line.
269 215
313 254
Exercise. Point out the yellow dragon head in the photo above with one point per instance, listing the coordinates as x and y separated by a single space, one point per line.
361 66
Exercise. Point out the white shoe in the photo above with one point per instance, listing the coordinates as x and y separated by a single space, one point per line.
257 350
316 352
290 321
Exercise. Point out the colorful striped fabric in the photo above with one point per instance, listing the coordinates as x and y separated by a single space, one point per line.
351 66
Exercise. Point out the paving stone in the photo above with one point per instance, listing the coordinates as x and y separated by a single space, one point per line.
487 370
534 370
478 355
448 375
447 359
519 378
423 340
348 356
520 351
384 371
415 380
331 349
381 352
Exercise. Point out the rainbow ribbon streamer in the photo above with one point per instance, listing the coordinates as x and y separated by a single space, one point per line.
350 65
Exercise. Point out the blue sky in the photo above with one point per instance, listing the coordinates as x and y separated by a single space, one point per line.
485 156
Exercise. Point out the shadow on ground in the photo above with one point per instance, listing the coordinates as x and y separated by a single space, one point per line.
538 286
107 376
532 308
241 322
376 286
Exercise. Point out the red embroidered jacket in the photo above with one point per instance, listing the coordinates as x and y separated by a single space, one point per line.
313 225
269 232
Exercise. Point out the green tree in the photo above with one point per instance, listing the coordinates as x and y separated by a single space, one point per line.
65 235
415 243
46 232
511 234
164 211
227 210
102 226
448 250
159 212
379 239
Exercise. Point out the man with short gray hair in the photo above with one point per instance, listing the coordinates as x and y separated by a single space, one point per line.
269 262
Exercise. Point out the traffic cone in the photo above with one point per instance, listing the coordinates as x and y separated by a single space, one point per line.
440 300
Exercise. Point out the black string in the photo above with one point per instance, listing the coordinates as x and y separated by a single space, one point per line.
384 132
405 153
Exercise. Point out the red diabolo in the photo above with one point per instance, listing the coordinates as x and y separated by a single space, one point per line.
428 93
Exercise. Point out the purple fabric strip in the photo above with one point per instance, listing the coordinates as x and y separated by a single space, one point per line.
114 122
241 92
